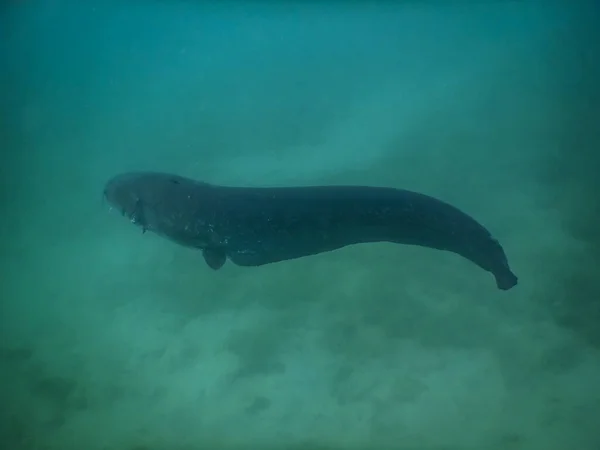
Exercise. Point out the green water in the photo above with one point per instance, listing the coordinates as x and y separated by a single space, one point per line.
114 340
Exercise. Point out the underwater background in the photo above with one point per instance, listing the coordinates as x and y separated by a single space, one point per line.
111 339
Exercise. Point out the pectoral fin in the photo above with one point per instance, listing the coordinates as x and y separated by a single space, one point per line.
215 258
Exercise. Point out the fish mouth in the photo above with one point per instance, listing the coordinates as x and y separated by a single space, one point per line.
105 202
109 205
137 216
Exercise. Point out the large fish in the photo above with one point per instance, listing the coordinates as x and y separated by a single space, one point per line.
256 226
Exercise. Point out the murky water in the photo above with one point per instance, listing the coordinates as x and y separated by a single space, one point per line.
111 339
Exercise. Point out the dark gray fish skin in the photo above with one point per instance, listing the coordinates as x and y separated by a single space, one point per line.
257 226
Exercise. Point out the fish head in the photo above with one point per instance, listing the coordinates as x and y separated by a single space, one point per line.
128 193
142 197
166 204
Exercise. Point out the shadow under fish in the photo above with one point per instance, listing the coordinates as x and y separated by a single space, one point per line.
256 226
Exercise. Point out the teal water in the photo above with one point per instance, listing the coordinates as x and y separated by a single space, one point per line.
114 340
